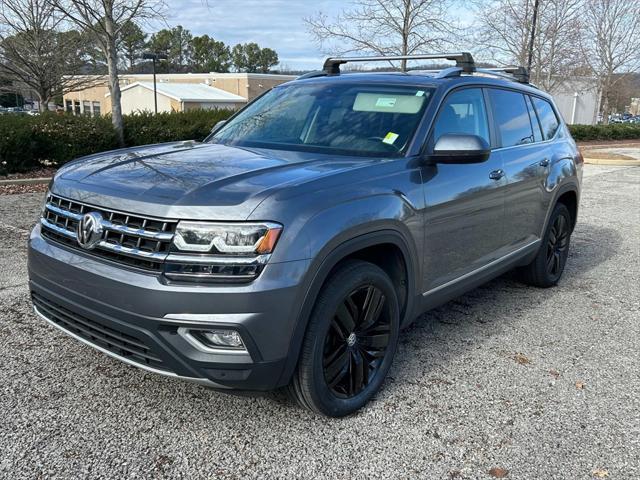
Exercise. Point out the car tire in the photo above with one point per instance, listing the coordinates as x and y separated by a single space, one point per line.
350 341
546 269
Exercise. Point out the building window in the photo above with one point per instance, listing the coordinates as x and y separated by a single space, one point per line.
68 106
96 109
76 107
86 108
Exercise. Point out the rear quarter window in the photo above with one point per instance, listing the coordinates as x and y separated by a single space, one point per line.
547 116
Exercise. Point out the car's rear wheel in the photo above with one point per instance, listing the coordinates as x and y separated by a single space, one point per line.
350 341
546 269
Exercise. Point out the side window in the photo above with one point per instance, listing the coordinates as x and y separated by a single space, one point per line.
547 116
537 132
512 117
463 111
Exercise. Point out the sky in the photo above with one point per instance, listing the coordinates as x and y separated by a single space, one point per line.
275 24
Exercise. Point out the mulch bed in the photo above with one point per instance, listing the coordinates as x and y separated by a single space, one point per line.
39 173
16 189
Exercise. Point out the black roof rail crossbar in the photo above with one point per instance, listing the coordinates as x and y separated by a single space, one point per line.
464 60
519 74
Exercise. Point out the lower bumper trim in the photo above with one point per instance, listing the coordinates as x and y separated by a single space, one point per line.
202 381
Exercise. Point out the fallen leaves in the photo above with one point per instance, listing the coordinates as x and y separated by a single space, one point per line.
499 472
554 373
580 385
521 359
600 473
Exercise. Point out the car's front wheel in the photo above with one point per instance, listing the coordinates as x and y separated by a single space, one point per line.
350 341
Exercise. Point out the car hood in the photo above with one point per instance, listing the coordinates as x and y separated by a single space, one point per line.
190 179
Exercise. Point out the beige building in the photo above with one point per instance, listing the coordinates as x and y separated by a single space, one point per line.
209 90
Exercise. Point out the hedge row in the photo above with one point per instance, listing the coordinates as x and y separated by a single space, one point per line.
615 131
28 141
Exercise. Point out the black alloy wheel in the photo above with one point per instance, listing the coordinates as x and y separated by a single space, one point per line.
350 340
356 342
548 265
557 245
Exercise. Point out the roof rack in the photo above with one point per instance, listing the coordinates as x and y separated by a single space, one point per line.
463 60
519 74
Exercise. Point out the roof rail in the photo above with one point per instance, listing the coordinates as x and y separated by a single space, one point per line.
463 60
316 73
519 74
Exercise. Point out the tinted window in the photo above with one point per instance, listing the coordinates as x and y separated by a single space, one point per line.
512 117
463 112
547 116
537 132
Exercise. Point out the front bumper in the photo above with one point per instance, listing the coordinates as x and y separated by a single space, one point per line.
135 316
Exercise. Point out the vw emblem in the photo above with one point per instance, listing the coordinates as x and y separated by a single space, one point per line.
89 230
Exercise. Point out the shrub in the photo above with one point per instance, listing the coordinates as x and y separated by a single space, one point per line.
614 131
28 141
145 128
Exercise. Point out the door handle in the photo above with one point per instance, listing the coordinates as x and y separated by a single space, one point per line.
496 174
544 162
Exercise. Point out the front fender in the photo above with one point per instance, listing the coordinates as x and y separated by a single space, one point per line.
336 232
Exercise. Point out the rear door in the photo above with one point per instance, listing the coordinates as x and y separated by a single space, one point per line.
465 202
526 160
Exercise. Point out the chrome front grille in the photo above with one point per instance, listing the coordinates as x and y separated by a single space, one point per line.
134 240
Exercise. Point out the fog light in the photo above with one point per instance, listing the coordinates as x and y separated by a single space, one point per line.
214 340
223 338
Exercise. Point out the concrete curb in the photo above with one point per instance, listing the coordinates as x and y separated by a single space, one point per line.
25 181
610 161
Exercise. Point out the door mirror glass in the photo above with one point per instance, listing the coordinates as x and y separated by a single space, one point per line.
460 148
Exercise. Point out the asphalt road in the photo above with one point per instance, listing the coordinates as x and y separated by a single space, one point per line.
540 383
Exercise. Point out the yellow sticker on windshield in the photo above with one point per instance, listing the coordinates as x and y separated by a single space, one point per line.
390 138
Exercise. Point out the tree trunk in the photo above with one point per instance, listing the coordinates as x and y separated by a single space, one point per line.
43 102
114 84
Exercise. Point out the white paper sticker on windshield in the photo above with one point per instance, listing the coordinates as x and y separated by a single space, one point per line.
390 138
419 93
388 102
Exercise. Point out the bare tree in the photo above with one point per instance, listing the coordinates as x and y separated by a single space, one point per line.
611 44
35 54
505 26
105 19
385 27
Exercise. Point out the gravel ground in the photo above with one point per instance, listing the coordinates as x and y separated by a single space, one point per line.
516 381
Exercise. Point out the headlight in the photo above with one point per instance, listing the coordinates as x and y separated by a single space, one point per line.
227 238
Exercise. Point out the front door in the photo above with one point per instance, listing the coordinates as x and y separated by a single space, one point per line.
464 202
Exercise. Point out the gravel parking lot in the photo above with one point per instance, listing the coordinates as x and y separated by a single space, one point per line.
507 380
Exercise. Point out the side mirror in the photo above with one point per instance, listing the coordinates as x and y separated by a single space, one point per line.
460 148
218 126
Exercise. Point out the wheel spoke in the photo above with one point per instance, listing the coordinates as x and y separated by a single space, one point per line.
358 371
336 370
372 307
374 342
345 320
339 350
556 263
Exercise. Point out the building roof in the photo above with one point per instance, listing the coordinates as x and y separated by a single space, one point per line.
189 92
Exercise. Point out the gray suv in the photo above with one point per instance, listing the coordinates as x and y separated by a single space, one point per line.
290 248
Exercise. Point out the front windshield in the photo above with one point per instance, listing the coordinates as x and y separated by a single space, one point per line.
375 120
